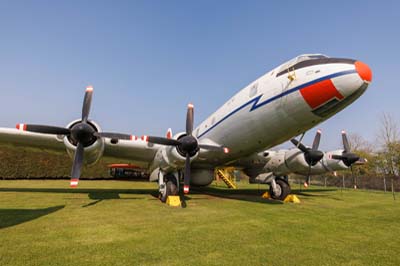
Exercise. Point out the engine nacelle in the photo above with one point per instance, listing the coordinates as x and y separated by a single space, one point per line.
169 158
276 162
93 151
285 162
201 177
295 161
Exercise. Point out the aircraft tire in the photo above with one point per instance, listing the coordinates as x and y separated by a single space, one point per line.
171 189
283 187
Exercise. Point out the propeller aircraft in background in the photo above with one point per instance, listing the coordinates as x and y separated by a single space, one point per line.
288 100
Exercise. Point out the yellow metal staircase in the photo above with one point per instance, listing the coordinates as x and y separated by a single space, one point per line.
227 175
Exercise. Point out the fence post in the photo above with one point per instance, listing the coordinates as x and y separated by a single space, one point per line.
343 185
394 197
384 183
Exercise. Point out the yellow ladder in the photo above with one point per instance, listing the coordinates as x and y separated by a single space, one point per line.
226 174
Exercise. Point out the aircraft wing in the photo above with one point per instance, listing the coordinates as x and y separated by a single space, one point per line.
136 151
12 136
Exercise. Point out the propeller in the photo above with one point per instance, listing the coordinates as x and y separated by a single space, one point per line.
311 155
187 145
347 157
82 134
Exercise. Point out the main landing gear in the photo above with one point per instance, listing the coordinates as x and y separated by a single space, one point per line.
168 185
279 188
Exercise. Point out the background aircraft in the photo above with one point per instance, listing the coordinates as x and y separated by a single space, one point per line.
288 100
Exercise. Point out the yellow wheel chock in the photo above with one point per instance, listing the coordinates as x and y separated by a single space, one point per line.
290 198
174 201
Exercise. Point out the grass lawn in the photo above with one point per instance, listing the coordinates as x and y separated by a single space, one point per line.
122 223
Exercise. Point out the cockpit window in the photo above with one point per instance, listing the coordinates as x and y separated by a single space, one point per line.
310 56
300 58
308 60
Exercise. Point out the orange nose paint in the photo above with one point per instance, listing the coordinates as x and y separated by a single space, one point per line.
319 93
363 70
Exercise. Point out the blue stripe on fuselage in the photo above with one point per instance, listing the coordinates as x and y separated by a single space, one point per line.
256 100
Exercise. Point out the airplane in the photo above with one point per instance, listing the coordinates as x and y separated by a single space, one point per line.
300 160
286 101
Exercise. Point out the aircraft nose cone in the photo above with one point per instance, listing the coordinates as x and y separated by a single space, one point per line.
363 71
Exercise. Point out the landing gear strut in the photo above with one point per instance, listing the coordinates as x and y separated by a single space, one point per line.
279 189
168 186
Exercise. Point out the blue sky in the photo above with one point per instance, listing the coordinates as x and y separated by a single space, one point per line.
148 59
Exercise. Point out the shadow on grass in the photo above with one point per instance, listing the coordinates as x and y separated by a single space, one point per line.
96 194
249 195
312 192
11 217
255 195
99 196
93 191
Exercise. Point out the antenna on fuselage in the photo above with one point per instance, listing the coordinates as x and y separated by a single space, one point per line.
301 139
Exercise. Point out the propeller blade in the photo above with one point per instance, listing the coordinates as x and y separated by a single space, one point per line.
186 178
338 157
317 139
77 165
214 148
87 102
47 129
311 155
347 157
189 119
346 145
307 182
352 176
112 135
163 141
350 158
299 145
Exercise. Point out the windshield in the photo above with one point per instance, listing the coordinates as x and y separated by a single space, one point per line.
299 59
